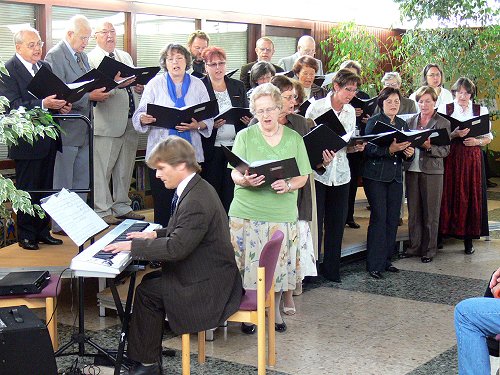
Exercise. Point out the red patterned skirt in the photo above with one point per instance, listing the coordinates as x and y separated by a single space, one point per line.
462 203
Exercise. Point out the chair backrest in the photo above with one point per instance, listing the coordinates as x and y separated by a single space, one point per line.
269 257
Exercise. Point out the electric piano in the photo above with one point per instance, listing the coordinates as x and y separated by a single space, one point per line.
93 262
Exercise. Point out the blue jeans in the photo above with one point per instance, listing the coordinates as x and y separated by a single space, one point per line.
476 319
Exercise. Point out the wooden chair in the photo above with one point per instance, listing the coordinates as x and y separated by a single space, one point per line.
47 298
252 310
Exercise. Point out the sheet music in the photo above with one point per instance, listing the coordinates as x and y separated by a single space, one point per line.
73 215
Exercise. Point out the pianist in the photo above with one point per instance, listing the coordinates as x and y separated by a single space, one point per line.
199 286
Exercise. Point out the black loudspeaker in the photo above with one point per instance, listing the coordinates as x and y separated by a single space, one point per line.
25 346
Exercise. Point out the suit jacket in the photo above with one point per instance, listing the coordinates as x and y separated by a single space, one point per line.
245 73
64 65
13 87
202 284
287 63
238 96
379 164
432 162
111 116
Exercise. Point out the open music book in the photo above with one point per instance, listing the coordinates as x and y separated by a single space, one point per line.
110 67
233 116
479 125
170 117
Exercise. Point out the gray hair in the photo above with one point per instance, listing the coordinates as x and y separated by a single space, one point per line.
266 89
392 75
77 23
19 34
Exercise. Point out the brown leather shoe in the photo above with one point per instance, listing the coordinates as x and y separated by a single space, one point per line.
60 233
132 215
111 220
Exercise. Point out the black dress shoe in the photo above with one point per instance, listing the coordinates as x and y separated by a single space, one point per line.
249 329
28 244
352 224
392 269
426 259
376 275
49 240
405 255
280 327
140 369
469 250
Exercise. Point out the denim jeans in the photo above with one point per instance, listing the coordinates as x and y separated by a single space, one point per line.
476 319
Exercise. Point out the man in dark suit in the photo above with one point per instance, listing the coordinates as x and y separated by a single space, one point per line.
34 163
199 285
264 48
69 62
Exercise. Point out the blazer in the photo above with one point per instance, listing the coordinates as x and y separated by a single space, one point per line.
432 162
379 164
238 96
287 63
201 283
245 73
111 116
13 87
64 65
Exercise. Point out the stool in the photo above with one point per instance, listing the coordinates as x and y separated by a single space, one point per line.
46 298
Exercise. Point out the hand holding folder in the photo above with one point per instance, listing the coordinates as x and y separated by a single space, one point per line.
170 117
272 170
322 138
479 125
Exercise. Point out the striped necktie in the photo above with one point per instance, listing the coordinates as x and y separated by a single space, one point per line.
35 68
79 61
175 198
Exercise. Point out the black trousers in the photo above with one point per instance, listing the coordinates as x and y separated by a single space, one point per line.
35 174
146 325
355 165
384 199
331 202
162 199
216 172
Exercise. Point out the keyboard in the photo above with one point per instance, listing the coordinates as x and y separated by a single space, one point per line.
93 262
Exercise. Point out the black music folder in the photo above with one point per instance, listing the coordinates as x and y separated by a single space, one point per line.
170 117
440 137
382 127
101 80
272 170
233 116
479 125
367 105
288 73
303 107
359 139
322 138
110 67
231 73
46 83
330 119
415 137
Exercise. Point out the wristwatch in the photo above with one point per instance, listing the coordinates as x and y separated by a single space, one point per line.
289 186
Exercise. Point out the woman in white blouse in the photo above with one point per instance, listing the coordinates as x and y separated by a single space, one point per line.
433 76
332 187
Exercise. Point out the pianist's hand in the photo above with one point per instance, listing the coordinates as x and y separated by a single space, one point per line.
118 246
143 235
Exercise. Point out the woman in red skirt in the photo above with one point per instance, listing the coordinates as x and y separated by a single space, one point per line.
464 212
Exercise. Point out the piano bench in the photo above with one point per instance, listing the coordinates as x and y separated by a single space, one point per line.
47 298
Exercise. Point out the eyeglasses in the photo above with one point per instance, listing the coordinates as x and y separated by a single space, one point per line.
434 75
267 111
265 78
176 59
393 84
33 45
306 74
462 93
289 97
84 38
106 32
266 49
352 91
216 64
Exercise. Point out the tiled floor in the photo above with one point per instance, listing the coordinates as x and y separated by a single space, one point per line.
402 324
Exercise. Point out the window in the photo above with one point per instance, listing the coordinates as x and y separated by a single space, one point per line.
61 15
284 46
233 38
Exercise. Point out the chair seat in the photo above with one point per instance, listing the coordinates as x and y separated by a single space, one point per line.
52 289
249 300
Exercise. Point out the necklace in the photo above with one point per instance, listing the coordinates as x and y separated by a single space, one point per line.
270 135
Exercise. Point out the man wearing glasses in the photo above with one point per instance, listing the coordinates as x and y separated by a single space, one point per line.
265 50
69 62
305 47
115 139
34 163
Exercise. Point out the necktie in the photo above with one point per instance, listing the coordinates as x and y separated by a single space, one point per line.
175 198
35 68
131 103
79 61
